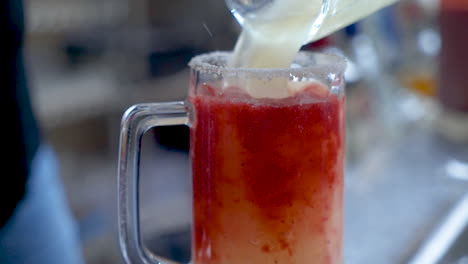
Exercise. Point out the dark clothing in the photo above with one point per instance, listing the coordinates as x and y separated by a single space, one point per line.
19 133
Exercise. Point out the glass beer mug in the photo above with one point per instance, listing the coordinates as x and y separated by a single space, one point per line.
267 153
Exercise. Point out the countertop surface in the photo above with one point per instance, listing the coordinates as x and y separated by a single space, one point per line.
397 196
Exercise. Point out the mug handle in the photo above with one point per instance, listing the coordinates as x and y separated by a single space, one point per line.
136 121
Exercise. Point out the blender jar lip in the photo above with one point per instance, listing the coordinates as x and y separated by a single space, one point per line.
306 64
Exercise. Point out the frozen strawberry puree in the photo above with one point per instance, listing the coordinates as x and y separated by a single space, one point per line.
267 177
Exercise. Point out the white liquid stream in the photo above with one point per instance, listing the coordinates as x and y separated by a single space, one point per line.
273 34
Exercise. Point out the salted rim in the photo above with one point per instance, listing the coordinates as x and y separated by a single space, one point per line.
330 63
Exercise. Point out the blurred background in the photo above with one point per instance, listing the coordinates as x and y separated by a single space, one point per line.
407 110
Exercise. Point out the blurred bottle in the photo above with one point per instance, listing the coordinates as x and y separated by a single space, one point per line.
361 117
420 47
407 41
453 71
370 108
